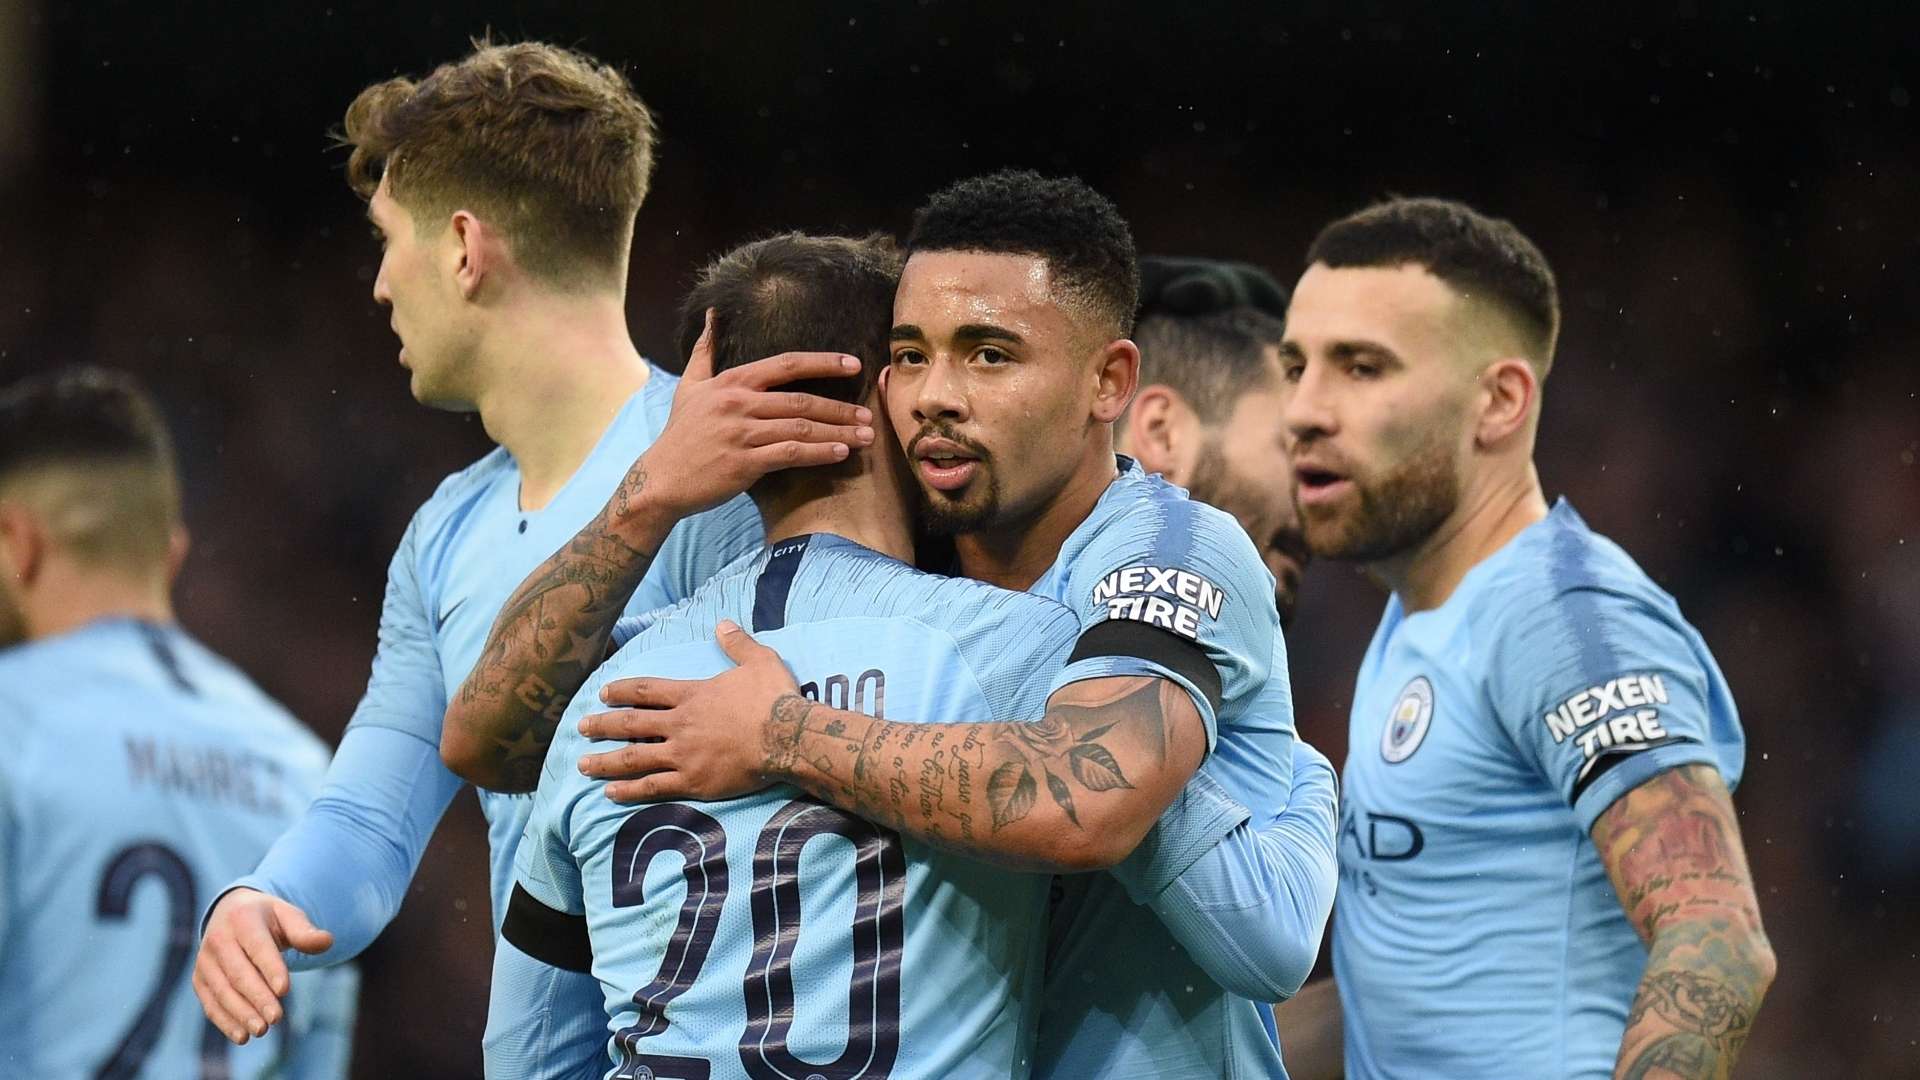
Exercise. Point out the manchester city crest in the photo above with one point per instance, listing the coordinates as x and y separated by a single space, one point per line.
1407 727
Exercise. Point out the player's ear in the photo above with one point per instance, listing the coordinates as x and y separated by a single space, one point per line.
1162 432
471 253
1508 390
1116 375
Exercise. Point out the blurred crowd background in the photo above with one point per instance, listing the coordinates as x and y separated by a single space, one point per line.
1727 193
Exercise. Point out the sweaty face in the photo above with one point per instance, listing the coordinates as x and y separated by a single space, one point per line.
1376 407
989 388
1243 469
415 282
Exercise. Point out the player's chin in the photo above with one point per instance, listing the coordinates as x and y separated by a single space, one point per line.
953 513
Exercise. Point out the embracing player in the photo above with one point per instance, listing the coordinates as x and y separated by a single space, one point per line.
1009 366
504 188
1536 814
142 771
931 942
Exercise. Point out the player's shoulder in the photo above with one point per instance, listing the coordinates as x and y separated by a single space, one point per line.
644 415
458 491
1560 569
1143 511
987 625
693 617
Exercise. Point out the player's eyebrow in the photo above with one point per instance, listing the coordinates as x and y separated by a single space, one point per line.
1348 351
906 332
977 332
1291 350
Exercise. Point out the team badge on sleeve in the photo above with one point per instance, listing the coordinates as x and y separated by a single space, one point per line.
1167 597
1407 727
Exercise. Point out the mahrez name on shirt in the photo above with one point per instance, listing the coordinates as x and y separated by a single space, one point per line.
205 773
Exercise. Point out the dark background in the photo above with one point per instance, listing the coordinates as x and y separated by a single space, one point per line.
1726 191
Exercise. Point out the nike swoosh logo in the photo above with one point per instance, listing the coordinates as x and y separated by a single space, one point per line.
448 614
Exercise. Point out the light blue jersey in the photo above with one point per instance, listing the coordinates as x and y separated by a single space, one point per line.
466 551
1476 932
1171 588
772 936
142 773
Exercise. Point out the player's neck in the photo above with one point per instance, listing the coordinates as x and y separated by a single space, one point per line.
868 507
77 597
1015 554
1488 518
559 372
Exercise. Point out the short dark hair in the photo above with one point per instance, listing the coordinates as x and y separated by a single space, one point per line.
1078 231
102 425
792 292
1210 359
1468 250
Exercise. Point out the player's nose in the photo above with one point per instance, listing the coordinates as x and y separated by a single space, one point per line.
381 294
941 393
1308 410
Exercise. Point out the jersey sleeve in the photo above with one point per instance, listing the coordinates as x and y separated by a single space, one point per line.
545 1014
321 1012
544 863
1601 691
1016 662
1252 908
546 914
543 1022
406 691
349 858
1177 592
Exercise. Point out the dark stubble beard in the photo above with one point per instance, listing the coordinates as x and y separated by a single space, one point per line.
1217 484
942 516
1397 512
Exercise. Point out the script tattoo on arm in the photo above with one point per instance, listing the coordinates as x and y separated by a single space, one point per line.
1672 847
1076 789
550 636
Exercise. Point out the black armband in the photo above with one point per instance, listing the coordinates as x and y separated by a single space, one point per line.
1182 656
550 936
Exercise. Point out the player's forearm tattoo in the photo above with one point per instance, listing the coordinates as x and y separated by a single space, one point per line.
959 785
550 636
1672 847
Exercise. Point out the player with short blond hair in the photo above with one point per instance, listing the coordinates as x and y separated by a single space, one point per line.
504 188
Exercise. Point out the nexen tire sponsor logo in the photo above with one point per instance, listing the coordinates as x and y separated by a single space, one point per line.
1169 598
1610 727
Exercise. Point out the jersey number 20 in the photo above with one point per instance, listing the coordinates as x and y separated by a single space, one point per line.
873 998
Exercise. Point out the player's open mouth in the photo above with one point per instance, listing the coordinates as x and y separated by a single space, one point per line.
1314 485
944 465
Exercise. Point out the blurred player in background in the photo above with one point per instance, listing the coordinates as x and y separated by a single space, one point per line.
1207 415
504 189
1010 364
143 772
1534 718
935 957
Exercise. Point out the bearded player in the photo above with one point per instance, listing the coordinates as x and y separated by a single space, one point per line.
1207 415
1542 869
1009 366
